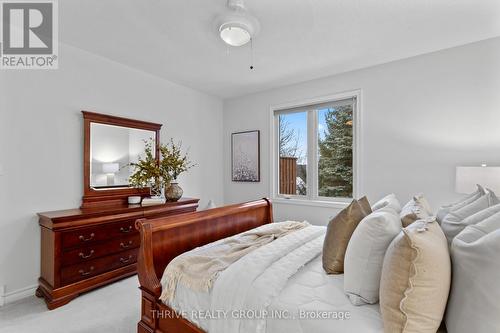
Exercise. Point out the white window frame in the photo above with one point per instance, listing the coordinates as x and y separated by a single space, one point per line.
312 198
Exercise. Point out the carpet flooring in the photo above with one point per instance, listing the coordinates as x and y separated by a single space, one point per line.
114 308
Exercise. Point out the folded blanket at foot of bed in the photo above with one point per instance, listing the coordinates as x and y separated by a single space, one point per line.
199 268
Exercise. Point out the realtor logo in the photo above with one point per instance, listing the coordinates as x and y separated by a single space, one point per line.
28 35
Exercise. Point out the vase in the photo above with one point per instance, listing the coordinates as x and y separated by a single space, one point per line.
173 192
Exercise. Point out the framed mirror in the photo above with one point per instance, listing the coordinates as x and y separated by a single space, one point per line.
110 145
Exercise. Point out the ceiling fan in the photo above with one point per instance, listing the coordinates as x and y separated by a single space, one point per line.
237 26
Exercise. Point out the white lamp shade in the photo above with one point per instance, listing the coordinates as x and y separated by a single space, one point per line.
110 167
468 177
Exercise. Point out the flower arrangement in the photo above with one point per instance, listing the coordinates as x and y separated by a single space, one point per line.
148 172
173 162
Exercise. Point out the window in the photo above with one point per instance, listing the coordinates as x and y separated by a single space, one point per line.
315 150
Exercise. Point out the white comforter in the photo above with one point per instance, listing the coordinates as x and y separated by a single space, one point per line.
281 278
265 270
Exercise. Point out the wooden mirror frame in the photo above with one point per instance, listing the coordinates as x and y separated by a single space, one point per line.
113 196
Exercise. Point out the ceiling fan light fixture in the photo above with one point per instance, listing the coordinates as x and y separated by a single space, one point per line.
234 34
236 27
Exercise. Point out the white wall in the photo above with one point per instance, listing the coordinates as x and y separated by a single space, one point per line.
421 117
41 144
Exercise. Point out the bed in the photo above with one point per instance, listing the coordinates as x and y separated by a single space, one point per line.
305 291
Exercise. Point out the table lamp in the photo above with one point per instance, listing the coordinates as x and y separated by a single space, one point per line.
468 176
110 169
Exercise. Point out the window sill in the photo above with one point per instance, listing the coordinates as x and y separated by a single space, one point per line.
312 203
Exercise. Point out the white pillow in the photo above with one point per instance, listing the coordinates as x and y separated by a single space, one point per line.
389 201
474 304
453 223
417 208
365 255
444 210
478 217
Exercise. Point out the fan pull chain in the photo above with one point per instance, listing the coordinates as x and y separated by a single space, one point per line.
251 53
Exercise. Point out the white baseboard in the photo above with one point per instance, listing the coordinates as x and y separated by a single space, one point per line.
6 298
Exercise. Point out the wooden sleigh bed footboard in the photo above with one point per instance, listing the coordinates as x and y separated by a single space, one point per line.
165 238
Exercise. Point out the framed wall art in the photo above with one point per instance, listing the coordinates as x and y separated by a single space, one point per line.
245 156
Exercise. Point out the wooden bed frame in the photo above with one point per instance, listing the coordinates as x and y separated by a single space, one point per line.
165 238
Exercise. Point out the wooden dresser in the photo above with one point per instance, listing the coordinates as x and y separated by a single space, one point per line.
82 249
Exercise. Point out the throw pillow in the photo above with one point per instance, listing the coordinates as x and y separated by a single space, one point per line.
416 209
415 279
453 223
444 210
473 305
338 233
389 201
365 255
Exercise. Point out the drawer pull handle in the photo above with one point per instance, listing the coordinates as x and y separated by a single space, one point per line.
126 260
85 256
83 273
127 245
126 230
83 239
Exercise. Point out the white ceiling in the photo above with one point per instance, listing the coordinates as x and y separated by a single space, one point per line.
299 39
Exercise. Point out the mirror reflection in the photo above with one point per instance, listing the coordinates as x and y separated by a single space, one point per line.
112 149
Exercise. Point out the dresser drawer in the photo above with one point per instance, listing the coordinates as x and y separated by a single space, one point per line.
97 266
97 250
89 235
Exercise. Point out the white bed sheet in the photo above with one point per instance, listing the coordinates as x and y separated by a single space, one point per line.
310 290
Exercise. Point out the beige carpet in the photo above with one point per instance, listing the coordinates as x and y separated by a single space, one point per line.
114 308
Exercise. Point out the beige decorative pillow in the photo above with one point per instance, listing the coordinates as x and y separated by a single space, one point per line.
415 279
417 208
338 233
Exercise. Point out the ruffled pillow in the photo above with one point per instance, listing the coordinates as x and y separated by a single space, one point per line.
415 279
416 209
